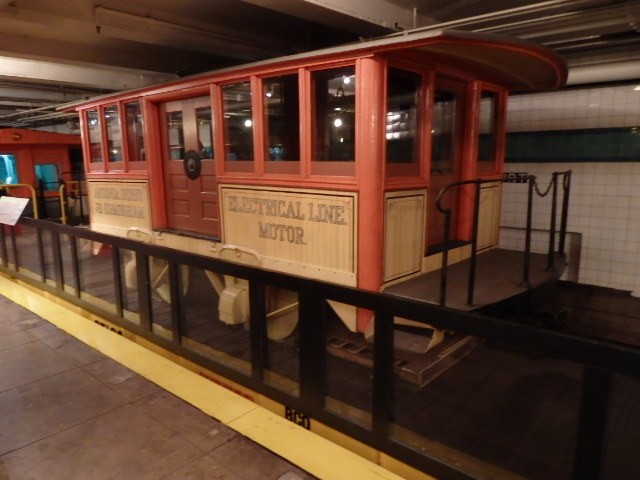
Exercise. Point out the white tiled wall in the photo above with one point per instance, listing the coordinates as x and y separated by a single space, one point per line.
605 197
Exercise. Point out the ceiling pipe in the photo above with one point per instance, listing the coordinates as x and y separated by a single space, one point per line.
604 72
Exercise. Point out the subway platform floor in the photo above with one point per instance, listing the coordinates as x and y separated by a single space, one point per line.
69 412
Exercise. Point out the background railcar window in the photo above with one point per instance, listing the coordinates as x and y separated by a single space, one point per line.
403 92
488 128
238 122
95 136
8 170
47 176
114 136
135 140
282 124
334 106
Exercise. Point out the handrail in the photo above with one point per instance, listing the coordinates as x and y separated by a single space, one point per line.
33 194
532 187
474 236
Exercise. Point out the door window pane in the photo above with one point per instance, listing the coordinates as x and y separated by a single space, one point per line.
175 135
282 122
403 92
238 121
334 123
95 136
114 137
135 139
205 132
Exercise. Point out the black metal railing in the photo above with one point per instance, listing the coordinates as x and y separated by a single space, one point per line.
63 252
531 180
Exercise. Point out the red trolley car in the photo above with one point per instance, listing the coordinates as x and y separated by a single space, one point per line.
324 164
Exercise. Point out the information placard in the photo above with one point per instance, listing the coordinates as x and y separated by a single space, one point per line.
11 208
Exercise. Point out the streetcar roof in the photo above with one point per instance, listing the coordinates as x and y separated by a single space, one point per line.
519 65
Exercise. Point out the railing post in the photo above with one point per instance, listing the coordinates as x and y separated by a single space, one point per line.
58 269
592 422
14 249
175 291
382 372
144 290
312 335
258 329
474 244
552 227
117 279
80 200
3 246
75 264
445 258
43 269
527 242
566 186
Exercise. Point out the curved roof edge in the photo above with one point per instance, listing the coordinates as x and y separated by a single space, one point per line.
521 65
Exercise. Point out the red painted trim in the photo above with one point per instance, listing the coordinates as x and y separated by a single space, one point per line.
292 182
218 129
306 114
84 129
371 124
153 145
469 160
140 175
259 140
21 136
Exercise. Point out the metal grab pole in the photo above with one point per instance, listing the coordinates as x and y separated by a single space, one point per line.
552 227
445 258
474 245
566 186
527 243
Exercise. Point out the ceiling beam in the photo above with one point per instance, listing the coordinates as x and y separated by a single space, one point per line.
243 45
87 76
363 17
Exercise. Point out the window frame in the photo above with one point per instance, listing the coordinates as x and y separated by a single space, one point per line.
104 166
495 165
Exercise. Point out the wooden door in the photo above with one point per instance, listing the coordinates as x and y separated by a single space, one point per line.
446 155
189 168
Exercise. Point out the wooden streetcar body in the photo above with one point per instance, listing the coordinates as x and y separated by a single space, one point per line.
325 164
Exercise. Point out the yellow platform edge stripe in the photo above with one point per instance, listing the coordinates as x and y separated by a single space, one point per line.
310 452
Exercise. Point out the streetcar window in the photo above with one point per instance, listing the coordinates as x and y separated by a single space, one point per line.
135 140
403 92
95 136
488 128
238 126
8 169
205 132
47 176
114 137
334 123
442 132
282 124
175 134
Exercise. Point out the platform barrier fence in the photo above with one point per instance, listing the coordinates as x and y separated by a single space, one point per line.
494 399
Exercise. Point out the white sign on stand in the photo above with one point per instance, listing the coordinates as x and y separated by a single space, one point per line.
11 208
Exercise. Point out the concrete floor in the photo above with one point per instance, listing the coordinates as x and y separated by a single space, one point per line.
69 412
